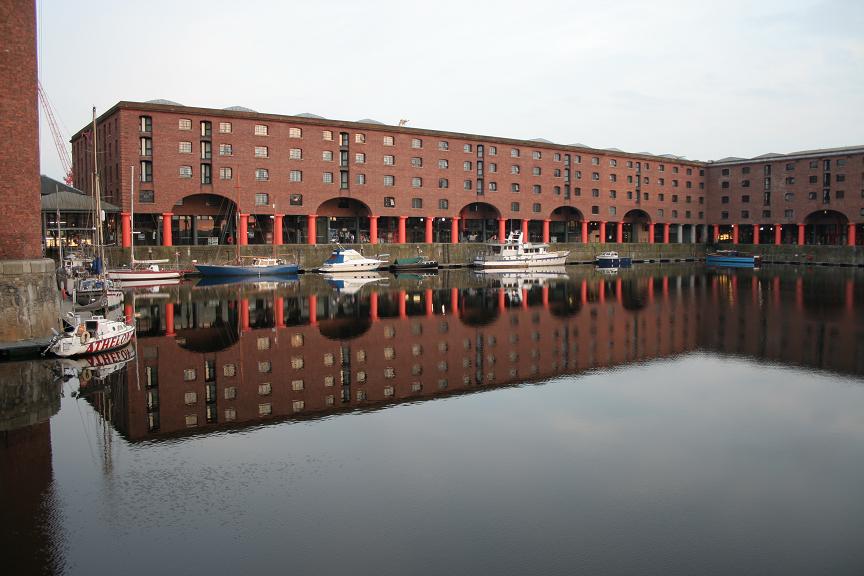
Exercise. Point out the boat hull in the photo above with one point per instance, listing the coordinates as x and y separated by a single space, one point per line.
421 265
546 260
351 267
144 275
73 346
732 261
613 262
233 270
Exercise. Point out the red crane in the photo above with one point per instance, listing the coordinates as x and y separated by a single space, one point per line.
57 135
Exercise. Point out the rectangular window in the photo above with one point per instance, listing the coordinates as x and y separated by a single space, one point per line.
185 172
389 202
467 148
206 128
184 148
416 162
359 138
295 154
514 169
295 132
536 207
262 174
416 203
443 183
493 150
262 199
443 145
225 173
416 182
327 135
443 204
327 155
536 189
416 143
146 196
514 187
360 179
184 124
466 166
295 200
225 127
145 123
514 153
295 176
389 160
443 164
327 178
261 130
206 150
224 149
261 152
360 158
467 185
789 213
493 186
535 171
206 174
745 214
536 155
514 206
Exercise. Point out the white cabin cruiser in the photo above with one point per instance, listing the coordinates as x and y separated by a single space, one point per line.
88 335
516 254
349 260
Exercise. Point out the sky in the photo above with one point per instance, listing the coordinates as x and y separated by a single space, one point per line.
700 79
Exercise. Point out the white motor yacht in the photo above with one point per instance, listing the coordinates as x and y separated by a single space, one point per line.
516 254
349 260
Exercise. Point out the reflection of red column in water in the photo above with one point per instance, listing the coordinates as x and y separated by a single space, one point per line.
501 303
525 298
546 297
454 301
618 290
665 287
169 319
754 288
373 306
799 294
601 296
583 292
403 312
244 315
776 290
734 290
850 295
651 290
279 308
430 311
313 309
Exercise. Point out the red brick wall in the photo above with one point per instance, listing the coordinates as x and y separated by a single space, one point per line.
19 132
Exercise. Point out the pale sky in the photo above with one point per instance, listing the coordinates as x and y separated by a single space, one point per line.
703 80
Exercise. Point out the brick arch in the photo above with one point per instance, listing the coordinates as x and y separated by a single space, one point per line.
636 215
344 207
564 213
483 210
204 205
827 217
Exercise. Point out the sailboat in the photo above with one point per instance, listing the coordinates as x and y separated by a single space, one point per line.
250 266
142 272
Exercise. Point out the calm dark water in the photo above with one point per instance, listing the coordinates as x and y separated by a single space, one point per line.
667 420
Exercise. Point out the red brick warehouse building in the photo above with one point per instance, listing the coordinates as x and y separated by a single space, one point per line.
307 179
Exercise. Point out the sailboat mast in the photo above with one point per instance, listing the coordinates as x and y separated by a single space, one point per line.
97 198
132 214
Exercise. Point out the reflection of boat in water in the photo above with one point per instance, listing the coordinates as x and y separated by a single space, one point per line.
612 260
416 275
516 254
347 283
733 259
532 277
349 260
607 271
148 283
257 280
91 370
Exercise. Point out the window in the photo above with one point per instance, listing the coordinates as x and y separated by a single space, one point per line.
295 199
595 161
556 173
724 215
184 124
493 167
613 162
466 166
360 158
745 214
416 203
674 183
389 160
790 180
343 139
514 169
295 132
206 174
595 176
766 213
389 181
295 154
556 157
745 170
493 150
840 178
675 169
745 183
745 199
206 150
724 200
261 130
661 197
416 182
811 195
724 172
493 186
327 155
295 176
536 207
839 194
536 189
661 181
145 123
416 143
443 183
416 162
360 179
184 148
536 155
514 206
788 213
262 199
467 185
262 174
206 128
613 194
577 174
535 171
147 171
359 138
613 210
225 173
327 135
724 184
185 172
443 164
514 153
595 209
327 178
595 192
443 204
613 177
443 145
556 190
389 202
261 152
514 187
146 197
467 148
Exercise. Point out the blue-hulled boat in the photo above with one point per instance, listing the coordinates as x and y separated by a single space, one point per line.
733 259
612 260
225 280
257 267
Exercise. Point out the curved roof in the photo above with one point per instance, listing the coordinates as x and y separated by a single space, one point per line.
163 101
238 109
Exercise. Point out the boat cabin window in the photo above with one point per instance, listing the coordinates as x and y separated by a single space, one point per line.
91 324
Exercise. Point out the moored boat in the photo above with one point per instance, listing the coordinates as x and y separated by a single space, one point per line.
258 266
349 260
144 271
96 292
516 254
91 335
418 262
612 260
733 258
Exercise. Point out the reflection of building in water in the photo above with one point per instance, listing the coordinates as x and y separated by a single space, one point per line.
204 362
